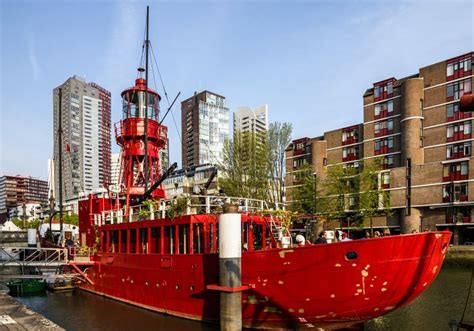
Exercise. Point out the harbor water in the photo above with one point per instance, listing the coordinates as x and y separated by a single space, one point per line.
444 301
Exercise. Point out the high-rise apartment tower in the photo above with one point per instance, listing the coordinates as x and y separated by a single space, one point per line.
85 112
255 120
205 126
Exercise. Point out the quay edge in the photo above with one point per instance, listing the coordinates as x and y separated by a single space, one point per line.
16 316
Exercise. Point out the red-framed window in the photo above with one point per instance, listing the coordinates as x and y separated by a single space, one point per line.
350 153
383 146
383 128
455 90
457 151
453 113
459 67
387 162
385 180
458 131
455 171
455 192
458 214
298 162
354 165
350 135
383 109
383 90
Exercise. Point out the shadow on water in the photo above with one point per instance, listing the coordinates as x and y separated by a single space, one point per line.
443 301
80 310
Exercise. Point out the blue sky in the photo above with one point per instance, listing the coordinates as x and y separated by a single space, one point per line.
310 61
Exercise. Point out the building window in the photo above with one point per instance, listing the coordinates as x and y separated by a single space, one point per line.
459 131
455 90
349 135
383 109
378 107
385 179
458 214
383 91
383 127
459 68
455 171
453 113
377 145
457 151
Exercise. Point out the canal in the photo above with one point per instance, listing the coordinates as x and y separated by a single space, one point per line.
442 302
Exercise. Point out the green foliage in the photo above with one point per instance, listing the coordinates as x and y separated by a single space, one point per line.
373 200
33 224
279 137
177 208
340 187
145 210
72 219
245 166
304 196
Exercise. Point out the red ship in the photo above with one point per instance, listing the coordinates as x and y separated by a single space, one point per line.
171 264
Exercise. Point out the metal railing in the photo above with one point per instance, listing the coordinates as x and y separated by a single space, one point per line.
194 204
25 256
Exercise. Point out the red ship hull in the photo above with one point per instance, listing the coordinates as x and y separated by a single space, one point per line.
310 286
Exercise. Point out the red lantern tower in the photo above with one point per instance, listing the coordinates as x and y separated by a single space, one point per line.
130 135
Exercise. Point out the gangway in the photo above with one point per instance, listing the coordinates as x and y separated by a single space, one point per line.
33 257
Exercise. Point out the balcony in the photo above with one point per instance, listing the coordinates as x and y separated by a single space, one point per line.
455 176
350 157
459 136
458 116
350 140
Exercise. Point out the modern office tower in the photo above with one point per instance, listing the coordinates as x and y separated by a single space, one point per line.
115 169
424 142
255 120
16 191
85 112
204 127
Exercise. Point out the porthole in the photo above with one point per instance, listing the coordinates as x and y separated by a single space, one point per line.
351 255
177 287
191 288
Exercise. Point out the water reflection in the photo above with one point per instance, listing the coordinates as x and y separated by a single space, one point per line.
79 310
443 301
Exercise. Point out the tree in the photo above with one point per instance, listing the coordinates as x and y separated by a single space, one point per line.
279 137
304 195
245 166
373 200
339 189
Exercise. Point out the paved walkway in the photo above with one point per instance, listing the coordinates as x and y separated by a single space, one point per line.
16 316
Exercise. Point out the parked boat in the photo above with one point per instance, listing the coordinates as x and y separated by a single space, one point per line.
20 287
154 259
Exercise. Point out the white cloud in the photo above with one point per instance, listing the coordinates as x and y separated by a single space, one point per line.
32 57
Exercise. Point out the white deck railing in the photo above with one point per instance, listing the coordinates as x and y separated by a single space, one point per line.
194 204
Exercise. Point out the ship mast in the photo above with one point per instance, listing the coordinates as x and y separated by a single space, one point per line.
141 136
147 42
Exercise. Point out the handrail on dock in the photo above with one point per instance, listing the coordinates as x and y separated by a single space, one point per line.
33 256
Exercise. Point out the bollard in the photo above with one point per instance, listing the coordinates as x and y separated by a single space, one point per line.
230 268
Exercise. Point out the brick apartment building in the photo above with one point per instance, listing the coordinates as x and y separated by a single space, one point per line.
417 118
16 191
